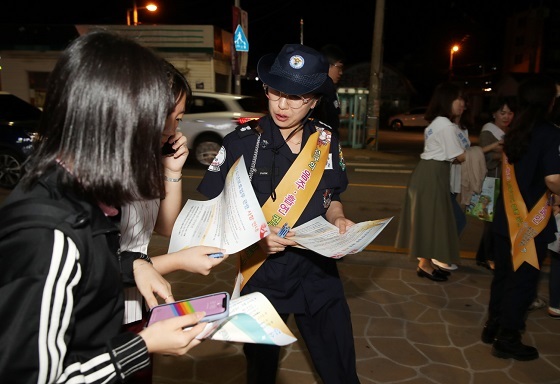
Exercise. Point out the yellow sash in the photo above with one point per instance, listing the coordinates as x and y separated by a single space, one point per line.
294 192
523 226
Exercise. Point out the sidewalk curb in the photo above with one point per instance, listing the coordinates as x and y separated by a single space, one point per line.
367 155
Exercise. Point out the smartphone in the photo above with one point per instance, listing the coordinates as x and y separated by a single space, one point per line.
167 149
216 306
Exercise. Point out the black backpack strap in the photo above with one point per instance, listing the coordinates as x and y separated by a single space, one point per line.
42 212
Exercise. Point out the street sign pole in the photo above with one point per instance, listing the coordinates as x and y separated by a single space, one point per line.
240 44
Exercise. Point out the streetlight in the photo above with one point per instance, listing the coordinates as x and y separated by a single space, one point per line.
150 7
454 49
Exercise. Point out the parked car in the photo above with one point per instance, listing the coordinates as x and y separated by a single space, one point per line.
19 121
214 115
414 118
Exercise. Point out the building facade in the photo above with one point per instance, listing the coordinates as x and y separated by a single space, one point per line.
29 53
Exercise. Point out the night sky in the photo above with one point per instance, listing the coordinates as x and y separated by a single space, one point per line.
417 35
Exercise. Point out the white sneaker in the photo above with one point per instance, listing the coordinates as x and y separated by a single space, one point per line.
554 312
447 267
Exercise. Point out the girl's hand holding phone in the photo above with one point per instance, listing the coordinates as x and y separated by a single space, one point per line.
168 336
214 305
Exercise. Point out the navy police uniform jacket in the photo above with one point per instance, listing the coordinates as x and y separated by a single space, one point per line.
540 161
296 280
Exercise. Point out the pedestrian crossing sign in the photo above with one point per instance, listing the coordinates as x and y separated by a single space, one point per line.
240 40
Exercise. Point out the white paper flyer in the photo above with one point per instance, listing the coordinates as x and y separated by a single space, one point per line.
252 319
233 220
324 238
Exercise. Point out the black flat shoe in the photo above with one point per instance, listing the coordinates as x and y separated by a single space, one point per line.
486 264
434 276
442 272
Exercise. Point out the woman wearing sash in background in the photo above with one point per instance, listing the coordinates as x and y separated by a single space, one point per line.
286 152
530 172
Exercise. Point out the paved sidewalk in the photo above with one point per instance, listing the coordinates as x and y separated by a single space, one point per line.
407 329
369 155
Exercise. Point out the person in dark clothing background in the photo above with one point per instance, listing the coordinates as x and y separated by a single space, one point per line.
328 110
523 225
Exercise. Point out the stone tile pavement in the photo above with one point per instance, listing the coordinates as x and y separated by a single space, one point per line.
407 329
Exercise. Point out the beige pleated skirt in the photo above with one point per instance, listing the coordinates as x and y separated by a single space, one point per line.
427 223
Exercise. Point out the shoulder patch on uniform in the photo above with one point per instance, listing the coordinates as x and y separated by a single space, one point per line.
249 128
320 124
218 161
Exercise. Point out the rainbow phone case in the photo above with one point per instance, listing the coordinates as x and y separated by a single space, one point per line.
216 306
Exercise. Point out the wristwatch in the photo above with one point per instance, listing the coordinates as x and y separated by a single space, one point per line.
142 256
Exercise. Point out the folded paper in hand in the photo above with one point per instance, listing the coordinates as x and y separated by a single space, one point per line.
252 319
324 238
232 221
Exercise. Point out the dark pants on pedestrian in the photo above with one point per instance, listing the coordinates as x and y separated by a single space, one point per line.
485 250
459 213
554 280
512 292
329 340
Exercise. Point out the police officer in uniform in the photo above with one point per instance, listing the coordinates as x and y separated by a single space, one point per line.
296 281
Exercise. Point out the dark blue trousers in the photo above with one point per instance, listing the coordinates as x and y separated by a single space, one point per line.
512 292
329 340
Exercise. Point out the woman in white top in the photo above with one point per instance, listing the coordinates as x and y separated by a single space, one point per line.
141 218
427 225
